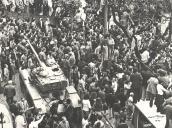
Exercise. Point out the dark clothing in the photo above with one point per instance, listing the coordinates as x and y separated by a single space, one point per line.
146 75
9 91
136 80
14 109
109 96
93 118
123 125
101 94
116 107
158 102
69 113
151 98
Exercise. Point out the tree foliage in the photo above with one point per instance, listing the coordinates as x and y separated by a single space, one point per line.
141 15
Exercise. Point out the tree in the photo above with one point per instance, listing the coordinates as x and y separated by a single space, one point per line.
138 16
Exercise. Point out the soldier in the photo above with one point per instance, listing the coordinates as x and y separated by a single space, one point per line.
23 105
9 92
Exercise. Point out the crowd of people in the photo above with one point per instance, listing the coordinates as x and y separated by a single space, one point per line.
108 73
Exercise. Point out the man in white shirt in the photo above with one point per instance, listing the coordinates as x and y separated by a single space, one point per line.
145 56
23 105
34 123
20 121
111 44
86 106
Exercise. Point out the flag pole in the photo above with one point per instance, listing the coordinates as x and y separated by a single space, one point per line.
106 17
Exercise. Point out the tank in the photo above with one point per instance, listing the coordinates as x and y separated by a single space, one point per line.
47 78
41 83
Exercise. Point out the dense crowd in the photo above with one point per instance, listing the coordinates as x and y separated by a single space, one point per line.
109 74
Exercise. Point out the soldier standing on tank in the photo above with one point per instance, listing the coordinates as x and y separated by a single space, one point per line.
9 92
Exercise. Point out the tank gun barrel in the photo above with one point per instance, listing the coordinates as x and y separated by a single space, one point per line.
37 57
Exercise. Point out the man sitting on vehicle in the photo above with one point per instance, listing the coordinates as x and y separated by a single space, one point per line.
23 105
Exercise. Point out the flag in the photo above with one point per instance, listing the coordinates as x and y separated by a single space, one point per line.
5 3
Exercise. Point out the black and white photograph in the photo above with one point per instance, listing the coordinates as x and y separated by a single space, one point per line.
85 63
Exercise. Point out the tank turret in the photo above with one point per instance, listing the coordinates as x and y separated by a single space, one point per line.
47 78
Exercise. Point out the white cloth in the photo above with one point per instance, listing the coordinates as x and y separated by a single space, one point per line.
78 17
130 99
127 86
114 86
111 22
145 56
50 3
160 89
5 2
60 108
82 84
91 65
34 124
84 123
86 105
6 73
111 42
83 3
105 52
20 122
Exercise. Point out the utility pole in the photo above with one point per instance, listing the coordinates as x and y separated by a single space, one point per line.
170 24
106 17
1 119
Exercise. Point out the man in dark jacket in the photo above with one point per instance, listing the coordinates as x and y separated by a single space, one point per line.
136 80
14 108
9 92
